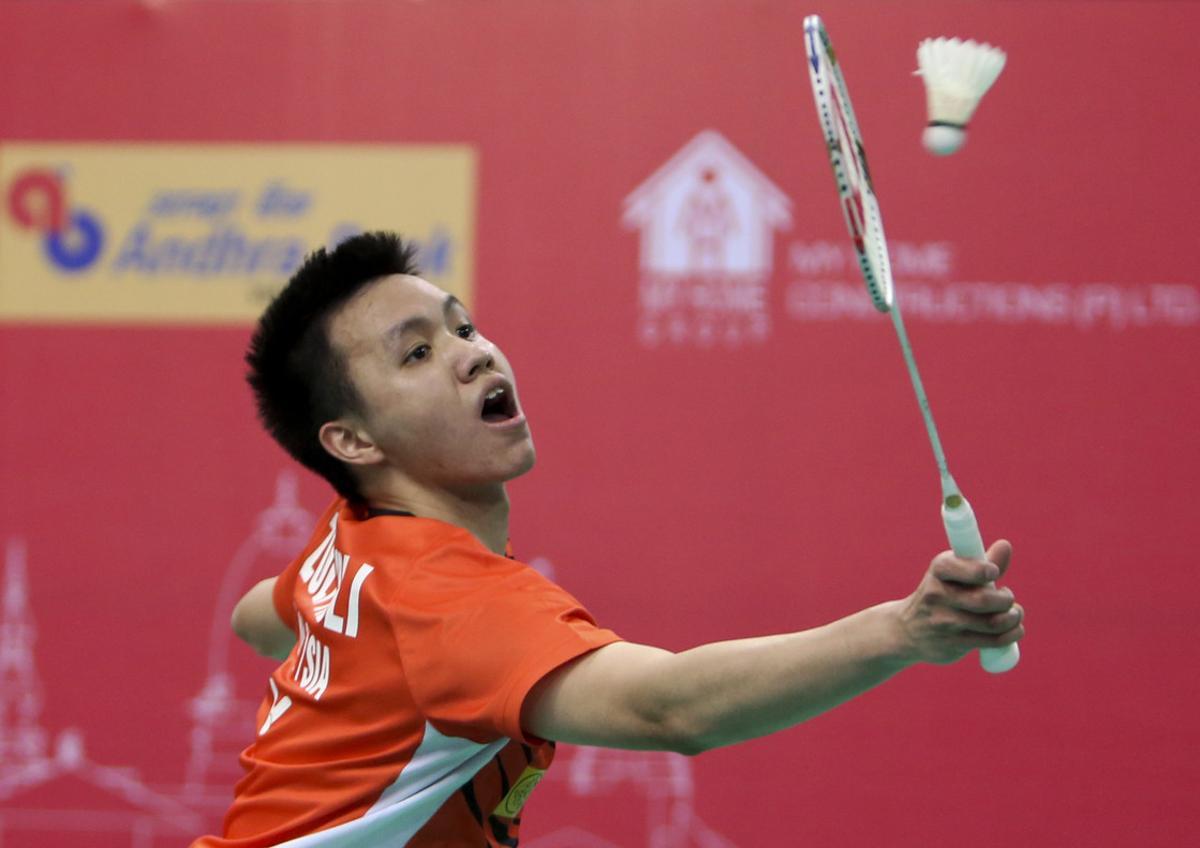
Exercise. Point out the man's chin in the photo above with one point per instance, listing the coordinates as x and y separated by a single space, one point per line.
514 465
524 465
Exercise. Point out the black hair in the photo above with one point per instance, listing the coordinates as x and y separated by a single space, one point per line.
298 377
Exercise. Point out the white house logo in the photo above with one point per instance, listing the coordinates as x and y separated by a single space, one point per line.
707 220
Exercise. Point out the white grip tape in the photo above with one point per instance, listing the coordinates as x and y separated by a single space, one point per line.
962 530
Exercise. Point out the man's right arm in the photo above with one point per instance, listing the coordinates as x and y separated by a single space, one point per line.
256 622
635 696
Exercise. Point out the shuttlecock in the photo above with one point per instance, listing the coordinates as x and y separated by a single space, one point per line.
957 74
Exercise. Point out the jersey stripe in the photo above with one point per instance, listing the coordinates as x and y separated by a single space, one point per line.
439 767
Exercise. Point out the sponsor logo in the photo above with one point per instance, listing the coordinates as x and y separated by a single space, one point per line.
519 794
826 286
707 220
71 237
208 233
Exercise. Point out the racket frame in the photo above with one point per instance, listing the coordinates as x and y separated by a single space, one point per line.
851 171
860 208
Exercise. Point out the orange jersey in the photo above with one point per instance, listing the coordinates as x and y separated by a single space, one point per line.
395 720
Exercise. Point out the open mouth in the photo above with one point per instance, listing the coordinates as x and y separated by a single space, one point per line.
498 405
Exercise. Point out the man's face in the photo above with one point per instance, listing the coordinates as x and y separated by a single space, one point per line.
439 399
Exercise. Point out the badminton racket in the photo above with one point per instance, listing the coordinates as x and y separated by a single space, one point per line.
860 208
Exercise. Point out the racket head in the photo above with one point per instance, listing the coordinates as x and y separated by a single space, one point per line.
848 157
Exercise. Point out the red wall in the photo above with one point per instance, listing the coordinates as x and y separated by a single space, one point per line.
685 491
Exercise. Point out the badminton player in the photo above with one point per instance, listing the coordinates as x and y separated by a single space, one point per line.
426 672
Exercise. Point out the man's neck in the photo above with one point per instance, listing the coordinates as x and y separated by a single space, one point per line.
482 512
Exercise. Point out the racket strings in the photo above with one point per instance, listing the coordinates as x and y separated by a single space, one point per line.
852 173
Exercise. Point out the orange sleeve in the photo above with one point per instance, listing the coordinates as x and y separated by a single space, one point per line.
476 631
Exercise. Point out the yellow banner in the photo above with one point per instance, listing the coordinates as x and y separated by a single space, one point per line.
208 233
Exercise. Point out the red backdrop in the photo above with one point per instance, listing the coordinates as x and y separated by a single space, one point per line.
689 488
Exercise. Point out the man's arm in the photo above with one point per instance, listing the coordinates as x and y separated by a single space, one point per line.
634 696
256 622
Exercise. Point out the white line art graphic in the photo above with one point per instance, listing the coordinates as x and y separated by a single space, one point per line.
30 778
36 765
222 715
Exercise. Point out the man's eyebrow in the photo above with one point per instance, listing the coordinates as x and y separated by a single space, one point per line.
398 329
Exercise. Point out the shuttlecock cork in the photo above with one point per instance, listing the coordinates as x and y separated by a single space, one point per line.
957 74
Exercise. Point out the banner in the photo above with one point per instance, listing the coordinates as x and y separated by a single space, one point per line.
206 233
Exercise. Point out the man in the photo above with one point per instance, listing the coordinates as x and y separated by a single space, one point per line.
426 673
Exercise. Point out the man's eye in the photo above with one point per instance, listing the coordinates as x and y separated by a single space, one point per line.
418 353
467 331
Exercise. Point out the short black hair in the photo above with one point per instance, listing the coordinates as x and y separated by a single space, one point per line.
299 379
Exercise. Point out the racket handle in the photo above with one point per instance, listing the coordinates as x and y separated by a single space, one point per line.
962 530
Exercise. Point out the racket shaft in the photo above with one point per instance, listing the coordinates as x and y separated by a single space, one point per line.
962 531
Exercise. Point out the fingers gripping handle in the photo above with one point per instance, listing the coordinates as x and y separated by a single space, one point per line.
963 532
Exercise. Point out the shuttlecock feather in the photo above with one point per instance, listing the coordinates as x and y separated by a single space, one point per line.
957 74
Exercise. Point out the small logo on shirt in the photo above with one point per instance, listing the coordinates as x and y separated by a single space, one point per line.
279 706
519 794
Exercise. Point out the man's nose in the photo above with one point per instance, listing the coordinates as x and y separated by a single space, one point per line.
476 359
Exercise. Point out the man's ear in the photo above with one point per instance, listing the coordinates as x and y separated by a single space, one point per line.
348 443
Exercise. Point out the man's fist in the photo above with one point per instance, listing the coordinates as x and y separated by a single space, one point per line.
957 608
